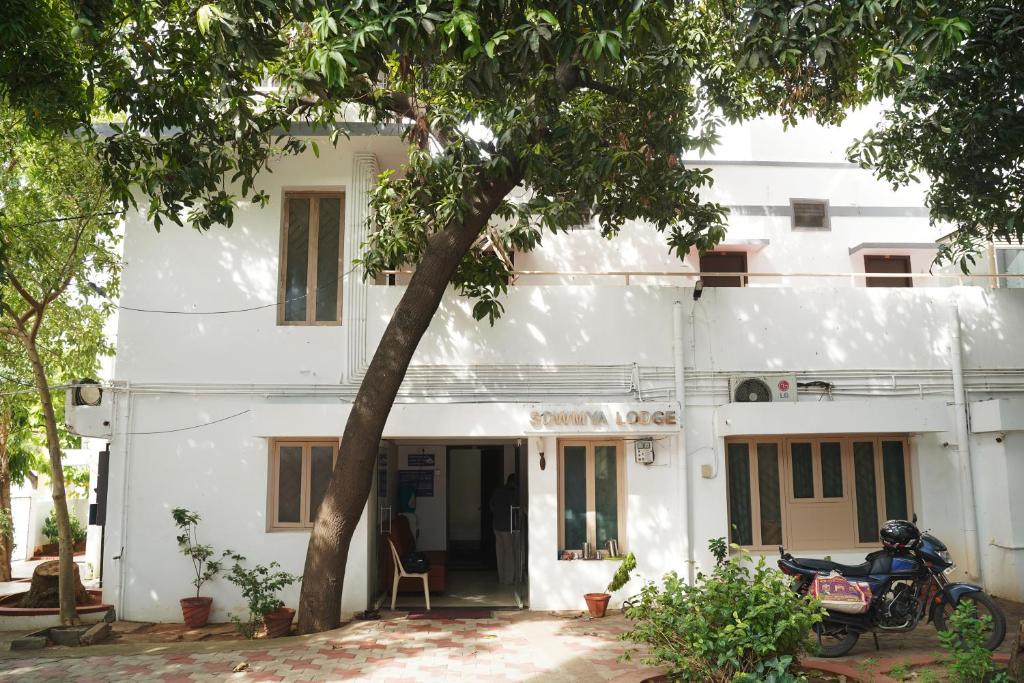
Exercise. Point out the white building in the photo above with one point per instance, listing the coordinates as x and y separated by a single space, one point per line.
237 415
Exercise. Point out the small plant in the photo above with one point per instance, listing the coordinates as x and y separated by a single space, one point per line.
204 567
900 671
734 624
970 660
52 534
260 586
719 549
621 577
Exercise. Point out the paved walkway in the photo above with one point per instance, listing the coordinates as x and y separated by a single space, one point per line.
513 646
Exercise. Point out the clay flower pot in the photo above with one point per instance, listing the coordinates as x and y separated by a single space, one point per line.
597 603
196 611
279 622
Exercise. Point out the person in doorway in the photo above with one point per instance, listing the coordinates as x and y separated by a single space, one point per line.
502 501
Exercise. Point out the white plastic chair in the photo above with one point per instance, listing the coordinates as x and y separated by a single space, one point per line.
400 574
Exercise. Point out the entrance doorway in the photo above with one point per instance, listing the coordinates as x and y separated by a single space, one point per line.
439 502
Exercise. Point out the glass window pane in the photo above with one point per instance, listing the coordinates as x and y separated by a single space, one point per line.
803 470
606 494
741 530
894 478
1011 261
328 246
864 482
296 272
574 501
289 483
768 493
321 464
831 470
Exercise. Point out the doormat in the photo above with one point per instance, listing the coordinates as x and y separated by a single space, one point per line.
450 613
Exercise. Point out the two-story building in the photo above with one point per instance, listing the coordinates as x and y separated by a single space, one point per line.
820 381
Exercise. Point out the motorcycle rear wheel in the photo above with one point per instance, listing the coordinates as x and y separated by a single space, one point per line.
983 605
835 639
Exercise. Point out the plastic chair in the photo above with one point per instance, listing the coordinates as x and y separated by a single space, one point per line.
400 574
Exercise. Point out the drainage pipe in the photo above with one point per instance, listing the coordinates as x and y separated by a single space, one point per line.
969 509
684 464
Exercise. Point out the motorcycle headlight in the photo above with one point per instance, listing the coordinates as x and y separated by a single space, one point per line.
946 557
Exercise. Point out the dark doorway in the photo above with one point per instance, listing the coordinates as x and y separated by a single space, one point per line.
724 262
887 264
492 471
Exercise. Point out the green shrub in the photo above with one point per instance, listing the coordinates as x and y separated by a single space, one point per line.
964 639
733 624
203 566
78 532
260 586
621 577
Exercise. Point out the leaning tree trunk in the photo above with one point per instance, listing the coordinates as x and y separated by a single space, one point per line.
343 502
68 613
6 539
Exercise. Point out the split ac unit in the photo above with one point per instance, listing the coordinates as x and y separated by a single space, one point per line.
762 389
88 410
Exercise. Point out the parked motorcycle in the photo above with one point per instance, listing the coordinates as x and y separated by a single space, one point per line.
901 585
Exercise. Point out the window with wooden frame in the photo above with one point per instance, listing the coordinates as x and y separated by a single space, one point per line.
591 494
312 239
723 262
874 263
816 493
299 474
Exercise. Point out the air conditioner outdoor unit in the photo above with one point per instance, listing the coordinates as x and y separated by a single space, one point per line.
762 388
88 410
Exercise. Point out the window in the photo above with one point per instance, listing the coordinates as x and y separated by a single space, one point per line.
1010 261
299 474
311 259
723 262
815 493
887 264
809 214
591 494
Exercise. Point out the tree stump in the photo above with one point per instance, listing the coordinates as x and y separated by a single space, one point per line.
45 589
1016 668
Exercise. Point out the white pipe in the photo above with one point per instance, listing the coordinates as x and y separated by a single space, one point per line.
969 509
122 594
684 464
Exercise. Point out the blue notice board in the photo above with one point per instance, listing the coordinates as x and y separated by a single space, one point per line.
421 480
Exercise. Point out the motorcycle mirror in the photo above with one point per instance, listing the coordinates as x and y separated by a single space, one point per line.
914 520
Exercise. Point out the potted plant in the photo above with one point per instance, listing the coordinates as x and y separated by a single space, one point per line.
260 586
195 611
597 603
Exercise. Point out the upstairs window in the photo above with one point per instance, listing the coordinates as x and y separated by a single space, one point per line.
809 214
888 264
311 259
723 262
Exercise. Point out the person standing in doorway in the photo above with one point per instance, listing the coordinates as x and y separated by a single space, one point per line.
502 501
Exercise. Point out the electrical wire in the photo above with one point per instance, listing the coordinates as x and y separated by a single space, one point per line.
185 429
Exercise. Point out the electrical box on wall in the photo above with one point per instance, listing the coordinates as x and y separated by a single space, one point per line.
644 451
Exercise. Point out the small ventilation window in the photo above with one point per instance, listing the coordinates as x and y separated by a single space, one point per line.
810 214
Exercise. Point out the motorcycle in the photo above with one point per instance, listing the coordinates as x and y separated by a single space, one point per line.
908 584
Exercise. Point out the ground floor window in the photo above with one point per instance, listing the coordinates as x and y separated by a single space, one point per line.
591 494
822 492
299 474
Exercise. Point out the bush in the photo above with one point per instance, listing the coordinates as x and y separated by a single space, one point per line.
964 639
260 586
204 567
731 625
78 532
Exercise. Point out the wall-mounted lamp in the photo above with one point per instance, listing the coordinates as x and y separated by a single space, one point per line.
698 289
543 462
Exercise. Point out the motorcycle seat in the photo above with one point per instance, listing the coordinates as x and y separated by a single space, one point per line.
862 569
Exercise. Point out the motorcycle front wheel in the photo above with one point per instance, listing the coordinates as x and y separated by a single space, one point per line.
834 639
983 606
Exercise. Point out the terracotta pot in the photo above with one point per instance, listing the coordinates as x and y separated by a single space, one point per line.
279 622
597 603
196 611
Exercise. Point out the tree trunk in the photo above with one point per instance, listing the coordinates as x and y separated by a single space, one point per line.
68 613
6 540
346 495
44 590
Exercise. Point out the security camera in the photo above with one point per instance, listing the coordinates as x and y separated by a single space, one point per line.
698 289
1000 437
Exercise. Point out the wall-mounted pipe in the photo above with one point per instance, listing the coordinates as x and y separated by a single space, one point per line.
684 464
969 510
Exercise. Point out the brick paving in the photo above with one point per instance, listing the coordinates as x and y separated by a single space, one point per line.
509 647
